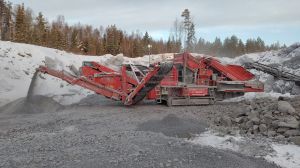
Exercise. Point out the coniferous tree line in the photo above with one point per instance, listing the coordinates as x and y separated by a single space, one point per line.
233 46
19 24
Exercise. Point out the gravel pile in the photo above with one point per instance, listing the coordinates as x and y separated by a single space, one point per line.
34 105
173 126
278 119
106 136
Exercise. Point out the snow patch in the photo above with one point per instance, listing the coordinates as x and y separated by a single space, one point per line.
220 142
284 155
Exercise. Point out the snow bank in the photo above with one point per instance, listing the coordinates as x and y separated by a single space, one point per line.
18 63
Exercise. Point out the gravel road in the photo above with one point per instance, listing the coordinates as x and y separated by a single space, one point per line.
104 134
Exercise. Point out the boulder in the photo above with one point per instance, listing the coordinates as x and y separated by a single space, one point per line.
285 107
243 112
263 128
255 120
295 140
276 112
282 130
226 121
255 129
281 98
280 137
275 123
249 124
290 122
293 132
263 121
253 114
268 118
272 107
271 133
239 120
247 102
217 120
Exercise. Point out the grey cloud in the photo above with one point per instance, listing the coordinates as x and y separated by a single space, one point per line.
159 14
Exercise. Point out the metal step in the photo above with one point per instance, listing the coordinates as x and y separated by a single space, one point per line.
190 101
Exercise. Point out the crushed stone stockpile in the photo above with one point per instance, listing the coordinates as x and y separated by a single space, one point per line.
279 119
32 103
36 104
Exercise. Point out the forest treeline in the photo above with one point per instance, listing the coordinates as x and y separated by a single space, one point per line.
19 24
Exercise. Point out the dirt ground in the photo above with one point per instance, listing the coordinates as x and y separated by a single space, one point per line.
103 133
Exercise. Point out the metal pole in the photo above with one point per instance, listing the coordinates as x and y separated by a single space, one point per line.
149 52
184 67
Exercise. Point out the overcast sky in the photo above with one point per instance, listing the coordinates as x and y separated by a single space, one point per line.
273 20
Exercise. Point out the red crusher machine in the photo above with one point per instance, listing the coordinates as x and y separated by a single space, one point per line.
186 80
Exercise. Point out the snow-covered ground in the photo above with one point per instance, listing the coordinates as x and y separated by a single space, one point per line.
284 155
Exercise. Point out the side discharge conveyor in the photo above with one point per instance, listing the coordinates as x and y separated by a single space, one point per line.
279 74
114 85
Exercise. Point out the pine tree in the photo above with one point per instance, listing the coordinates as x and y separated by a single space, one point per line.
113 40
2 18
249 46
41 30
20 26
146 39
170 44
274 46
260 45
189 30
137 49
56 37
200 47
240 48
177 30
216 47
28 26
145 42
6 26
191 38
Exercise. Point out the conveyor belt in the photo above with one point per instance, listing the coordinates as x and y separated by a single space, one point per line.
279 74
165 68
